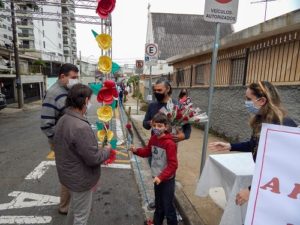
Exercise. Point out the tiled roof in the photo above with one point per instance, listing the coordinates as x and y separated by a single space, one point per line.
179 33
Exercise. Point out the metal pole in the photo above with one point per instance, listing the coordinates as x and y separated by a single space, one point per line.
16 55
150 84
211 91
80 70
138 95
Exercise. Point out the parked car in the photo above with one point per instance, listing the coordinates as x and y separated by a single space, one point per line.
2 101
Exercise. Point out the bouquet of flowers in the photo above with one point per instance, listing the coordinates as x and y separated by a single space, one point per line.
180 115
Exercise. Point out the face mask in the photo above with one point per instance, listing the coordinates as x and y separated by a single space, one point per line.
72 82
251 107
159 96
89 105
158 132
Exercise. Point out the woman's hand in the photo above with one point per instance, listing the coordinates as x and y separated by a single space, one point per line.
132 149
219 146
242 197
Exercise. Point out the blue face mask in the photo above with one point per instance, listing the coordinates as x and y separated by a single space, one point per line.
158 132
251 107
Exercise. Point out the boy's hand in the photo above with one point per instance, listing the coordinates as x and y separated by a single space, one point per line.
156 181
132 149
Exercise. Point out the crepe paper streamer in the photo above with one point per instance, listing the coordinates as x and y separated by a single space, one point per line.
95 33
96 87
99 126
114 104
115 67
113 143
105 113
105 64
104 41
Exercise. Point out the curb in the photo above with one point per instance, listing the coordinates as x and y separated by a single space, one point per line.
183 204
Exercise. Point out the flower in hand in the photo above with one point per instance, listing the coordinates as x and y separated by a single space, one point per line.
156 181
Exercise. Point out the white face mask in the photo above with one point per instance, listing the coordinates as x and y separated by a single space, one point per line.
72 82
88 106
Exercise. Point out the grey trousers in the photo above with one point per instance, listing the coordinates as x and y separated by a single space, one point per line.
80 207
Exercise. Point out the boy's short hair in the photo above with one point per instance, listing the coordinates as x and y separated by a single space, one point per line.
161 118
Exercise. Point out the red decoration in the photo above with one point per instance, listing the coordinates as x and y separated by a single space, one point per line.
105 7
128 126
107 93
112 157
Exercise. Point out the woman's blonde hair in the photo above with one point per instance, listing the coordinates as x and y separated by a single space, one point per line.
272 111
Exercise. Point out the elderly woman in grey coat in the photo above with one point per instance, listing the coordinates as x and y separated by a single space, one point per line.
77 154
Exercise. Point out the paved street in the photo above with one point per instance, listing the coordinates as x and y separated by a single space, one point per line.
29 183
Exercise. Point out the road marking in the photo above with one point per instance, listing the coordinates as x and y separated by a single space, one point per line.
25 219
27 199
40 170
117 166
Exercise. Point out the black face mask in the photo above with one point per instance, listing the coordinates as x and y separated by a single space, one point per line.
159 96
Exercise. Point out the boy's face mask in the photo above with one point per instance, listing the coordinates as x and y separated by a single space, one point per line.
158 131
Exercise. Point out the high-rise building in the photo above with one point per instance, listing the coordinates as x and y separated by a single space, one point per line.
5 28
69 30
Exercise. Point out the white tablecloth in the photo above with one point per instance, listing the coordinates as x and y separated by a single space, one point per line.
232 172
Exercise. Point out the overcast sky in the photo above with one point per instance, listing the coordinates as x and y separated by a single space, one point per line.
129 21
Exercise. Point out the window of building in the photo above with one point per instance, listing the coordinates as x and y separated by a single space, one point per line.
58 24
44 44
59 45
9 28
10 38
43 33
42 22
237 71
5 36
180 76
200 74
4 26
59 35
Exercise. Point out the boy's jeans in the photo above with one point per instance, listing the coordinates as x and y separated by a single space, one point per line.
164 206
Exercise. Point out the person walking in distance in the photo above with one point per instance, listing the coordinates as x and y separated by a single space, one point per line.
53 108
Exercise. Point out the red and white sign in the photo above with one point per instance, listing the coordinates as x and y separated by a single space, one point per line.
275 190
221 11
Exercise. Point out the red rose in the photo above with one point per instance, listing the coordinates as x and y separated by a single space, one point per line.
185 118
191 115
109 84
128 126
178 116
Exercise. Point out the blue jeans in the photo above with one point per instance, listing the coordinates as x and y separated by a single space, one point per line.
164 203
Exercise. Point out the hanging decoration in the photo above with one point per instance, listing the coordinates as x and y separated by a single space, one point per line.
105 7
106 93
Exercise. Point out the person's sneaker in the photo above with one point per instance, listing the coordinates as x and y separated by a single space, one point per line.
148 222
151 206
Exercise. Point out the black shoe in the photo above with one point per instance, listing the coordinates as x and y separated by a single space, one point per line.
151 206
62 213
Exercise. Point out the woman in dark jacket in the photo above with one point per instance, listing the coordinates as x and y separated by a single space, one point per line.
77 154
263 101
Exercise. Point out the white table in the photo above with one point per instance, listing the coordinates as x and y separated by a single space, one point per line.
232 172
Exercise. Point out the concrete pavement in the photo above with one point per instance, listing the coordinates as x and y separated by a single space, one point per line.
193 209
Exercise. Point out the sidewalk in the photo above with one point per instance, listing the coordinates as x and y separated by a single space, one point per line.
13 108
194 210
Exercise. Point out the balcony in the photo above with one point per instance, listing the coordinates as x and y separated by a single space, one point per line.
26 47
26 36
25 24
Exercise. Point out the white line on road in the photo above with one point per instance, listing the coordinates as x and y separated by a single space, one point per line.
40 170
27 199
25 219
117 166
